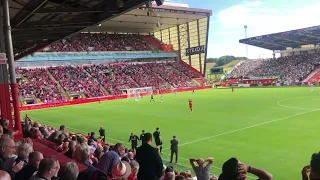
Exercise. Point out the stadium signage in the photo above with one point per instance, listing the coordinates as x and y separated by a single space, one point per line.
195 50
3 59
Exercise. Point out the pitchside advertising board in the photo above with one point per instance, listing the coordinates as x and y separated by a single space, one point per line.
195 50
3 59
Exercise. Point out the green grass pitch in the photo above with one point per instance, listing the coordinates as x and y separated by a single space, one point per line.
272 128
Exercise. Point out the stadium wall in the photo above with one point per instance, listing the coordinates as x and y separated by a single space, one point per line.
188 35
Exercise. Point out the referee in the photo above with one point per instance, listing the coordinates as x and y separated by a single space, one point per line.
174 149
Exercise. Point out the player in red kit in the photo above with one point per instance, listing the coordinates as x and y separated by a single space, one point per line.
190 104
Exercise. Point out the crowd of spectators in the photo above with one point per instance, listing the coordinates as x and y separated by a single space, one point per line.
114 78
38 84
18 160
101 42
76 80
289 68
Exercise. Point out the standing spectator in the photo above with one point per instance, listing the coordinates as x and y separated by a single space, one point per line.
174 149
102 134
111 158
233 169
33 164
202 171
134 141
7 148
149 160
312 171
69 171
48 168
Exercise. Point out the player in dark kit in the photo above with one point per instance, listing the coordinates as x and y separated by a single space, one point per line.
152 99
102 134
157 139
190 104
142 137
232 89
134 141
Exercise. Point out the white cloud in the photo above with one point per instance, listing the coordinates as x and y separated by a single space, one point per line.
254 3
261 20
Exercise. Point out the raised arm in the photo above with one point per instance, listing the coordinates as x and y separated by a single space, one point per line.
192 162
262 174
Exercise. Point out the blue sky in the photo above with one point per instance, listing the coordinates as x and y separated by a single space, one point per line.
262 17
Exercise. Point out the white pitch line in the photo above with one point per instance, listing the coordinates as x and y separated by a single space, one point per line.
292 107
241 129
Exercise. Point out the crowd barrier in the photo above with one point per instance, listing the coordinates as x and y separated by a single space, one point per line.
98 99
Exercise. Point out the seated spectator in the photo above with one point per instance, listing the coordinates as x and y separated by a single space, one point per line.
72 148
180 178
7 148
111 158
149 160
312 171
121 170
202 171
134 170
33 165
233 169
23 151
169 176
69 171
48 169
4 175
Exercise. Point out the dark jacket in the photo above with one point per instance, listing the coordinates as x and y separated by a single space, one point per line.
174 145
150 163
25 173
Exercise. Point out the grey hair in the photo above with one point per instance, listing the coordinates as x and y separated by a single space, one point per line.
84 152
23 150
69 171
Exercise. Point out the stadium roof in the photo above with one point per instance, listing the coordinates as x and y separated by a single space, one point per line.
138 21
37 23
288 39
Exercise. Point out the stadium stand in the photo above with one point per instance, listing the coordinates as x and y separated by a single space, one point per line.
76 80
290 68
37 83
101 42
50 84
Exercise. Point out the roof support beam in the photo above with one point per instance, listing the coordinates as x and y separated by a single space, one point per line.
67 10
23 15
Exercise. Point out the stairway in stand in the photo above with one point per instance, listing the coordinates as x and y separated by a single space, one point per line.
103 90
314 76
64 94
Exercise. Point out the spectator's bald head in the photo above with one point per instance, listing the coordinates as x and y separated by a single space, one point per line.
35 158
4 175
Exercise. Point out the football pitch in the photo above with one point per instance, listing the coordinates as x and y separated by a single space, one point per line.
276 129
